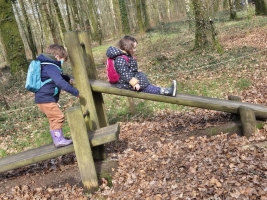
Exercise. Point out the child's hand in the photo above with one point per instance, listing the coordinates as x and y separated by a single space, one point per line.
136 87
72 81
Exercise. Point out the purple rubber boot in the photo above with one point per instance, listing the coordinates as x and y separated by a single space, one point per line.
58 139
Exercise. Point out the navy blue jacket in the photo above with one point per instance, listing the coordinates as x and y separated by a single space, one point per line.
126 70
50 91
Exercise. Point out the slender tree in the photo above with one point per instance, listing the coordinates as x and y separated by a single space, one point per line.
205 33
59 16
232 5
190 14
93 21
260 7
45 6
28 30
139 16
11 39
124 17
145 13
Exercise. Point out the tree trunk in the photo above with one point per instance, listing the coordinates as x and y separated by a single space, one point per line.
75 13
46 35
11 38
139 16
39 35
56 21
260 7
68 21
28 31
190 14
124 17
232 9
50 23
145 13
93 22
205 33
225 4
59 16
117 17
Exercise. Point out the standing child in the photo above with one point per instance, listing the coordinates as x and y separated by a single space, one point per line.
130 78
47 97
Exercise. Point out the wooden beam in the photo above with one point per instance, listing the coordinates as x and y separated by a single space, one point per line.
182 99
84 38
97 137
82 149
78 66
248 121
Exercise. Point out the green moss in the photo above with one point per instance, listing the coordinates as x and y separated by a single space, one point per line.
11 38
260 125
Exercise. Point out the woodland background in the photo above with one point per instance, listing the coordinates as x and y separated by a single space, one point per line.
31 25
165 151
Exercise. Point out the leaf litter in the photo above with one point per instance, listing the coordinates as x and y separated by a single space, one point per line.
161 158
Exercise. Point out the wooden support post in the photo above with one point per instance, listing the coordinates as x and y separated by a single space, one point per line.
248 121
234 98
131 103
76 54
92 74
82 148
238 99
97 96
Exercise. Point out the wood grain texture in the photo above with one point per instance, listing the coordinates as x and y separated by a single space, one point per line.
182 99
97 137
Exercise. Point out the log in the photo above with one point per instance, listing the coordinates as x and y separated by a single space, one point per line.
182 99
82 149
97 137
248 121
234 98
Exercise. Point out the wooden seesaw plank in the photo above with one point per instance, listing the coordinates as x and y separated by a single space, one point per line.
97 137
182 99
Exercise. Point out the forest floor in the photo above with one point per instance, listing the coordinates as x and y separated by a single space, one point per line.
174 154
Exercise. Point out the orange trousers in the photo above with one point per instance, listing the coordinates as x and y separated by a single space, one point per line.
54 114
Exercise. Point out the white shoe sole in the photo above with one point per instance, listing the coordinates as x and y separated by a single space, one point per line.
174 88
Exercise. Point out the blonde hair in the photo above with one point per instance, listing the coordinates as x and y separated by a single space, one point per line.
127 44
56 49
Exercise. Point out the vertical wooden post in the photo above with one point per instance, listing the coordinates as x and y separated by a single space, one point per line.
88 54
87 101
92 74
82 148
248 121
79 70
235 98
131 103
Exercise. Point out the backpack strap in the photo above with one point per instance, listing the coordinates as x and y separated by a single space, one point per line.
48 63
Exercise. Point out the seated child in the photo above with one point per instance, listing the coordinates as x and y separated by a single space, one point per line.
130 78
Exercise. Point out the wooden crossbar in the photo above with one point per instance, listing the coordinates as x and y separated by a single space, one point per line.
97 137
182 99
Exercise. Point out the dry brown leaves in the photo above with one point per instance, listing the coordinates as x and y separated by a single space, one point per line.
189 168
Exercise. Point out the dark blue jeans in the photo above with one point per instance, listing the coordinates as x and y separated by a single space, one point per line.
151 89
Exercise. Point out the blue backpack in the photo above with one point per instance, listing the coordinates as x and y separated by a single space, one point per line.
33 81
